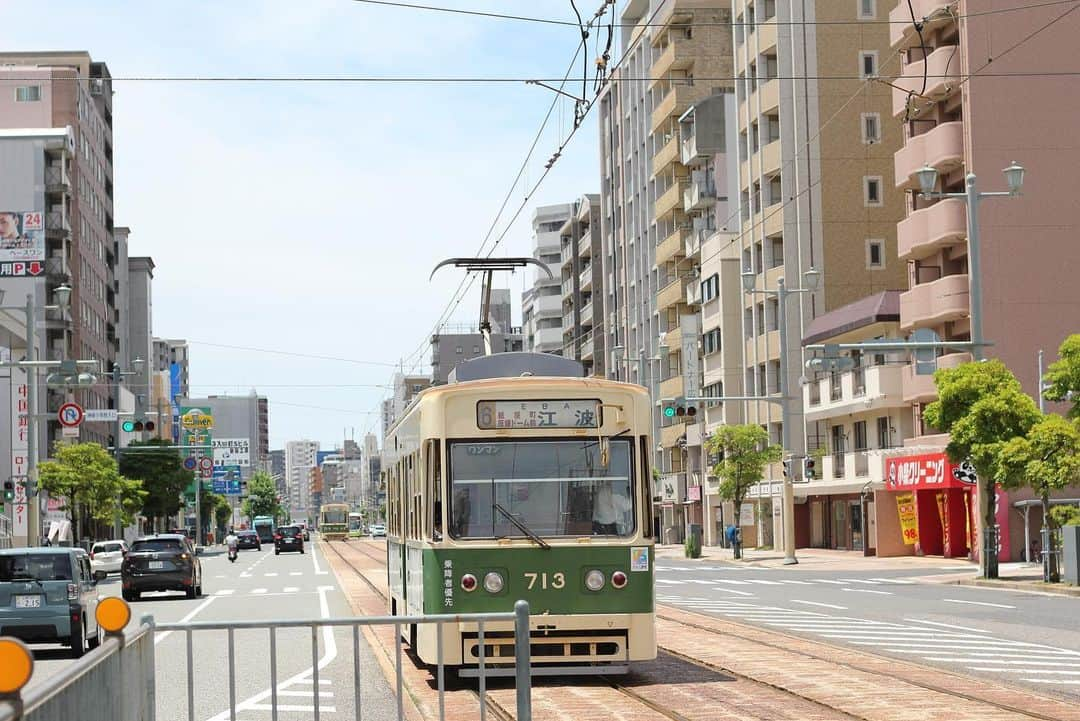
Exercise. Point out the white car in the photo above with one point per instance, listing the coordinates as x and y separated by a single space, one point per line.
108 556
378 530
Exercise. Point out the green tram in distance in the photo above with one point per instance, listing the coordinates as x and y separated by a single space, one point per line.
520 479
333 521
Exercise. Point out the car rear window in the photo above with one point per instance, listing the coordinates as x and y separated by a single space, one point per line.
107 547
289 531
246 533
156 544
36 566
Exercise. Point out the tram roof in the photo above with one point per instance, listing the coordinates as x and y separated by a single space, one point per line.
516 365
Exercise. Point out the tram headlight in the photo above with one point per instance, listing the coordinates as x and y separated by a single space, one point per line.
594 580
493 582
619 579
468 582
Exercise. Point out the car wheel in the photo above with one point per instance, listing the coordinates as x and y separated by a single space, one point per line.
77 640
95 640
192 590
301 550
277 552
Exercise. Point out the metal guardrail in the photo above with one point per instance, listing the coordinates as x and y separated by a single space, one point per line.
115 682
519 617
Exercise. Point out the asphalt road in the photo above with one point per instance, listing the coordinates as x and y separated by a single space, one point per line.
259 586
1028 639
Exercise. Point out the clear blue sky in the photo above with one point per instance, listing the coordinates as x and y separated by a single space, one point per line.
307 217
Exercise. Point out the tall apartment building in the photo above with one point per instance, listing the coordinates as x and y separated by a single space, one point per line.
815 155
60 90
369 473
582 279
405 389
974 117
136 322
542 310
452 345
172 355
300 458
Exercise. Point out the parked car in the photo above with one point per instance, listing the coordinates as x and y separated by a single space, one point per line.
288 538
165 562
108 556
304 529
49 595
378 530
248 539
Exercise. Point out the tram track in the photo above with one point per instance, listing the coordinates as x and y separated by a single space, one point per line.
752 635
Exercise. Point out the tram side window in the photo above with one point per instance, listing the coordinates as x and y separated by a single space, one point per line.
433 519
646 486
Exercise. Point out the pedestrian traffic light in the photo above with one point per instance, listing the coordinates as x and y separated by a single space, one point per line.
679 408
9 491
809 468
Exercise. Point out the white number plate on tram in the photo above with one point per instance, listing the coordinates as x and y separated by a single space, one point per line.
575 413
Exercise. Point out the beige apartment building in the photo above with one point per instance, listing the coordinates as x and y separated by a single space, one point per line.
582 278
815 158
691 63
973 95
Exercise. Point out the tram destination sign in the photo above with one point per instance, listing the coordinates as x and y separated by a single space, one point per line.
548 413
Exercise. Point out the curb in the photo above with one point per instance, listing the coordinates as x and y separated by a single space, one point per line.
1023 586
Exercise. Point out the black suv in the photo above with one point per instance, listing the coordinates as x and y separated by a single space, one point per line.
165 562
288 538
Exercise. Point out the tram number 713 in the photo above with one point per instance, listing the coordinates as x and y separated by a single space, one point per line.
554 580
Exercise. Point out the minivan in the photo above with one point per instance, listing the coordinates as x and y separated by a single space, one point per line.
49 595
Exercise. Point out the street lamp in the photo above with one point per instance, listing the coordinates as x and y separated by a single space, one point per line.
812 279
1014 179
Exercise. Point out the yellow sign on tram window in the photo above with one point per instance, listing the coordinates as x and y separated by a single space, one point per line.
909 522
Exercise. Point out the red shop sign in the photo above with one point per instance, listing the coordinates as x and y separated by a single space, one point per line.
932 470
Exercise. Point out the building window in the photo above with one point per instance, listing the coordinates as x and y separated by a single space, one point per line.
776 252
458 350
28 93
710 288
859 431
475 349
875 253
868 63
872 191
710 341
871 128
884 439
867 9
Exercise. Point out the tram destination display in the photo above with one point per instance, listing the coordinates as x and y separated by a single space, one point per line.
567 413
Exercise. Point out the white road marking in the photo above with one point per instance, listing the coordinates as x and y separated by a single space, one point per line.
293 694
898 581
1056 662
799 583
946 625
315 562
764 582
1063 682
732 582
1025 670
868 590
158 638
861 580
254 703
823 605
977 603
829 580
258 590
739 593
245 575
293 589
270 574
226 592
296 573
668 582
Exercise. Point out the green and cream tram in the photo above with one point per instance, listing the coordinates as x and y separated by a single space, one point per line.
522 480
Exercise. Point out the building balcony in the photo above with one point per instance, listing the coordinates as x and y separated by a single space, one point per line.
584 245
674 104
941 148
861 466
673 293
666 155
588 347
57 220
766 36
942 69
585 279
548 339
921 388
56 179
931 304
693 294
547 305
769 95
926 231
862 389
931 13
670 435
670 199
678 55
770 158
587 315
698 195
672 387
568 289
688 151
672 246
673 339
694 238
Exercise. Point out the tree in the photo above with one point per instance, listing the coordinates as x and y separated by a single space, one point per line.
262 496
744 451
162 473
1063 376
87 478
982 407
1046 459
223 512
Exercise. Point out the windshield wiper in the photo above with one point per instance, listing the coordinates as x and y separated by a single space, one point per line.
522 527
28 577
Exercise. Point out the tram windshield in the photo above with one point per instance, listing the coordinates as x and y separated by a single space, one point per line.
552 488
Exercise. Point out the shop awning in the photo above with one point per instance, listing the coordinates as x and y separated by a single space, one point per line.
835 489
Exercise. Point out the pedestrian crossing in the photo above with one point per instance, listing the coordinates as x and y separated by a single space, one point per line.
958 647
262 591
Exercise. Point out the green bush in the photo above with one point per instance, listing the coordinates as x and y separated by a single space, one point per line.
692 546
1065 515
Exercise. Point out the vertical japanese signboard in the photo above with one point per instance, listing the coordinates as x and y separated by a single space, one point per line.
20 437
909 521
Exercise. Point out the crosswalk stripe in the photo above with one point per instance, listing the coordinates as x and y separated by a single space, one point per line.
1055 662
898 581
861 580
1064 682
733 582
829 580
946 625
1026 670
869 590
764 582
823 605
225 592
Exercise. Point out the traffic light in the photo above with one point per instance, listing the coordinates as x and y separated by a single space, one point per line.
9 491
137 426
809 468
679 408
787 467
